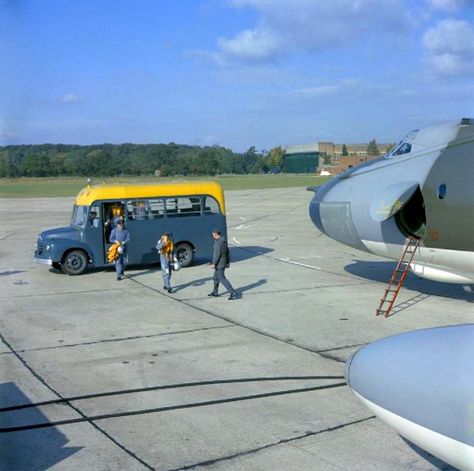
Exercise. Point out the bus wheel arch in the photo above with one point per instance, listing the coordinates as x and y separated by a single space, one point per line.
185 253
74 262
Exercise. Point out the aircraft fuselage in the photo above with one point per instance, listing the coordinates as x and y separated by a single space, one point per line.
422 188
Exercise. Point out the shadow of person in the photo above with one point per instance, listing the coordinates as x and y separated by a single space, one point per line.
199 282
141 273
38 449
239 253
251 286
11 272
382 271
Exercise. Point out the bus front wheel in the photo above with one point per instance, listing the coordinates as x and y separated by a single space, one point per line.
185 254
74 262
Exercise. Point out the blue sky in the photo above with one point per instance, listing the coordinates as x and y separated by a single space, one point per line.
237 73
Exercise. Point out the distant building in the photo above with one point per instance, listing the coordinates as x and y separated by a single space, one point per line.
308 158
346 162
303 158
353 150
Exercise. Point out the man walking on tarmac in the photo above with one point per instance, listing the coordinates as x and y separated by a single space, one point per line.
121 237
221 261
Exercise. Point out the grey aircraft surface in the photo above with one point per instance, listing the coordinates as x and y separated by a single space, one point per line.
422 188
420 383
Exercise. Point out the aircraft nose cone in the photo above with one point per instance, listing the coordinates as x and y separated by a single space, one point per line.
421 383
347 369
315 214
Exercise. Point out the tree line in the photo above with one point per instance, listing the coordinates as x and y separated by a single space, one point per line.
51 160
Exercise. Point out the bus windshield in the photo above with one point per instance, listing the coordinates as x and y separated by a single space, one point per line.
79 215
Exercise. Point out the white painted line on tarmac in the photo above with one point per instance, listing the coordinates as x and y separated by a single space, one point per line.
287 260
243 219
242 226
6 235
235 240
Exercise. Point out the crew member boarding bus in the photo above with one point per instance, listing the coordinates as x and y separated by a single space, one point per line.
190 211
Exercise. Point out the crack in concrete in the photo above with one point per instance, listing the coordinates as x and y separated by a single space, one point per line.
292 290
251 329
135 337
72 406
36 295
271 445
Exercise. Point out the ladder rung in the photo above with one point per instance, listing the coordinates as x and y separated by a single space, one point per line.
395 283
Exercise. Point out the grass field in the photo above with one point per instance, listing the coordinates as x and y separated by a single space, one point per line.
70 186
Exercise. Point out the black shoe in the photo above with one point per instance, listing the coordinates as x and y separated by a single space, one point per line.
170 290
233 296
213 294
119 278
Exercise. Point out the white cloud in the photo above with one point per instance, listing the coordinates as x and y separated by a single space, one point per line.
70 98
318 91
449 47
252 45
287 26
447 5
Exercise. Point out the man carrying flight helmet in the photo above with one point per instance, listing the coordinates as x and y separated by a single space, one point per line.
165 247
120 237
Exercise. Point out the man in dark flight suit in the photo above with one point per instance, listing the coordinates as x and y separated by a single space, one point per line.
221 261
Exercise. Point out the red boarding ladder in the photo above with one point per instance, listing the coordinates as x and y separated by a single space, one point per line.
398 277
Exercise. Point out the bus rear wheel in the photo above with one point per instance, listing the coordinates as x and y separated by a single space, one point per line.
185 254
74 263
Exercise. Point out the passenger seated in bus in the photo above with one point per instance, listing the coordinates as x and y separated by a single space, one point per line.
140 211
93 219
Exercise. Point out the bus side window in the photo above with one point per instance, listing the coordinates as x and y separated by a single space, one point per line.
171 207
157 209
189 206
183 206
211 206
130 208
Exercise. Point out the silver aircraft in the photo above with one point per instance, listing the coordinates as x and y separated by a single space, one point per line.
422 384
422 188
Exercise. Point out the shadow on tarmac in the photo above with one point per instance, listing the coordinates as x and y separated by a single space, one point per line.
199 282
246 252
256 284
38 449
436 462
382 271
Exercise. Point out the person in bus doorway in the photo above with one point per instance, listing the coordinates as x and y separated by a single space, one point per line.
117 214
120 236
221 261
165 247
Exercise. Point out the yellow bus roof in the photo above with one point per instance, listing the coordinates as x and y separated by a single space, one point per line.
92 193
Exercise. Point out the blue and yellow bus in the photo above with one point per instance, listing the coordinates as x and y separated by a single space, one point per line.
187 210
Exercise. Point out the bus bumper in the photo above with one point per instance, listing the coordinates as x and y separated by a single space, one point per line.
44 261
